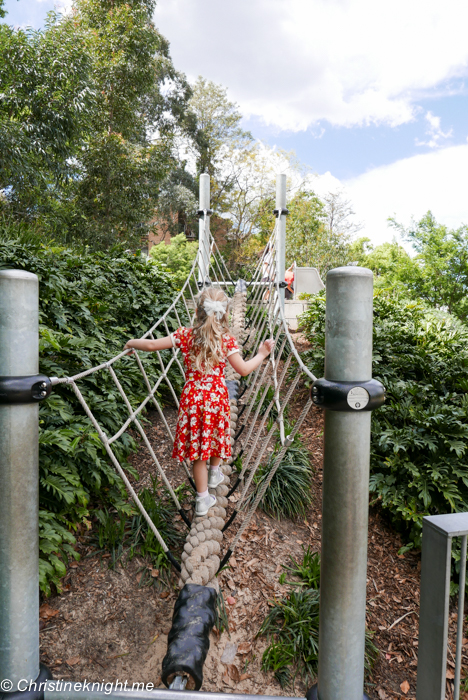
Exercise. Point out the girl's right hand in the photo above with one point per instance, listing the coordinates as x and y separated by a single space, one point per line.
266 347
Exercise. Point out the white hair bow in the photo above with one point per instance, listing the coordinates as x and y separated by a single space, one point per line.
218 308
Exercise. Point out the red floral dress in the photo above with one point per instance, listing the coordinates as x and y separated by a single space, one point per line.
203 425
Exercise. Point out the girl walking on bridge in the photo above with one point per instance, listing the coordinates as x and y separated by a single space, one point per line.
203 424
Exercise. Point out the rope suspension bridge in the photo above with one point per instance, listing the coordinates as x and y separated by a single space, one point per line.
257 313
257 405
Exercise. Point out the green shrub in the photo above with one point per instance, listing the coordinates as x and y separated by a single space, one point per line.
289 492
177 257
89 306
308 570
292 625
420 436
269 396
127 536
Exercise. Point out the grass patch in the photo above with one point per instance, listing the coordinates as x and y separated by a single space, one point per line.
292 625
127 536
289 493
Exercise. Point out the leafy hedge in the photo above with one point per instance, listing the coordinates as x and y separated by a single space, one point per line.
177 257
419 444
89 306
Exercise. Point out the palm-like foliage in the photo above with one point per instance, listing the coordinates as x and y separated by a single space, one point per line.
289 493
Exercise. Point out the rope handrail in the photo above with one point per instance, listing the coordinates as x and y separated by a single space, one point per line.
266 319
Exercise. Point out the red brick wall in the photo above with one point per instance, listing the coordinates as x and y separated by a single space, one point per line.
219 228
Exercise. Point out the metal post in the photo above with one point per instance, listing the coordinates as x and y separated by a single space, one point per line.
348 357
19 481
460 619
281 235
438 532
203 230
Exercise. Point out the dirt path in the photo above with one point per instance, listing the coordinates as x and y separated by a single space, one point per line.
105 626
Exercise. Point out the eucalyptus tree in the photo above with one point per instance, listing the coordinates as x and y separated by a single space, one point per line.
141 100
91 107
46 93
310 241
220 139
439 273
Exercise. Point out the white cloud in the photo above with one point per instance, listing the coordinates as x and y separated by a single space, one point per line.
435 135
294 63
410 187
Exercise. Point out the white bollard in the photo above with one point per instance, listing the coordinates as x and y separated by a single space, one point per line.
204 231
280 211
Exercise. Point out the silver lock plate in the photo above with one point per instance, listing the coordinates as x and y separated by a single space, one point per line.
357 398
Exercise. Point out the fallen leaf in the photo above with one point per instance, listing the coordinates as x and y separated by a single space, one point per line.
244 648
233 562
230 600
164 594
251 562
231 584
299 542
47 612
244 676
234 673
450 674
154 573
405 686
382 694
399 659
73 660
227 679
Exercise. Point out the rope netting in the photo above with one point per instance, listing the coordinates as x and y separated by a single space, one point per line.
256 314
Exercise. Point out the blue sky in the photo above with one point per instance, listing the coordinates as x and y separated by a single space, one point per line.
373 97
350 151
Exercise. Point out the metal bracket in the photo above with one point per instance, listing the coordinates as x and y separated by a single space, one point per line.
280 212
23 390
282 285
348 396
201 212
206 283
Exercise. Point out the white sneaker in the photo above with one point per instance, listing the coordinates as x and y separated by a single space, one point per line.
203 504
215 478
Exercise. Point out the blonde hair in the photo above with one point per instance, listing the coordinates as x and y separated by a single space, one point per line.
208 331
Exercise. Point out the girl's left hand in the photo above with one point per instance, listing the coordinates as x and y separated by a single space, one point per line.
129 347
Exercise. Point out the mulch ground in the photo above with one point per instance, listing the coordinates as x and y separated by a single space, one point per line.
112 624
